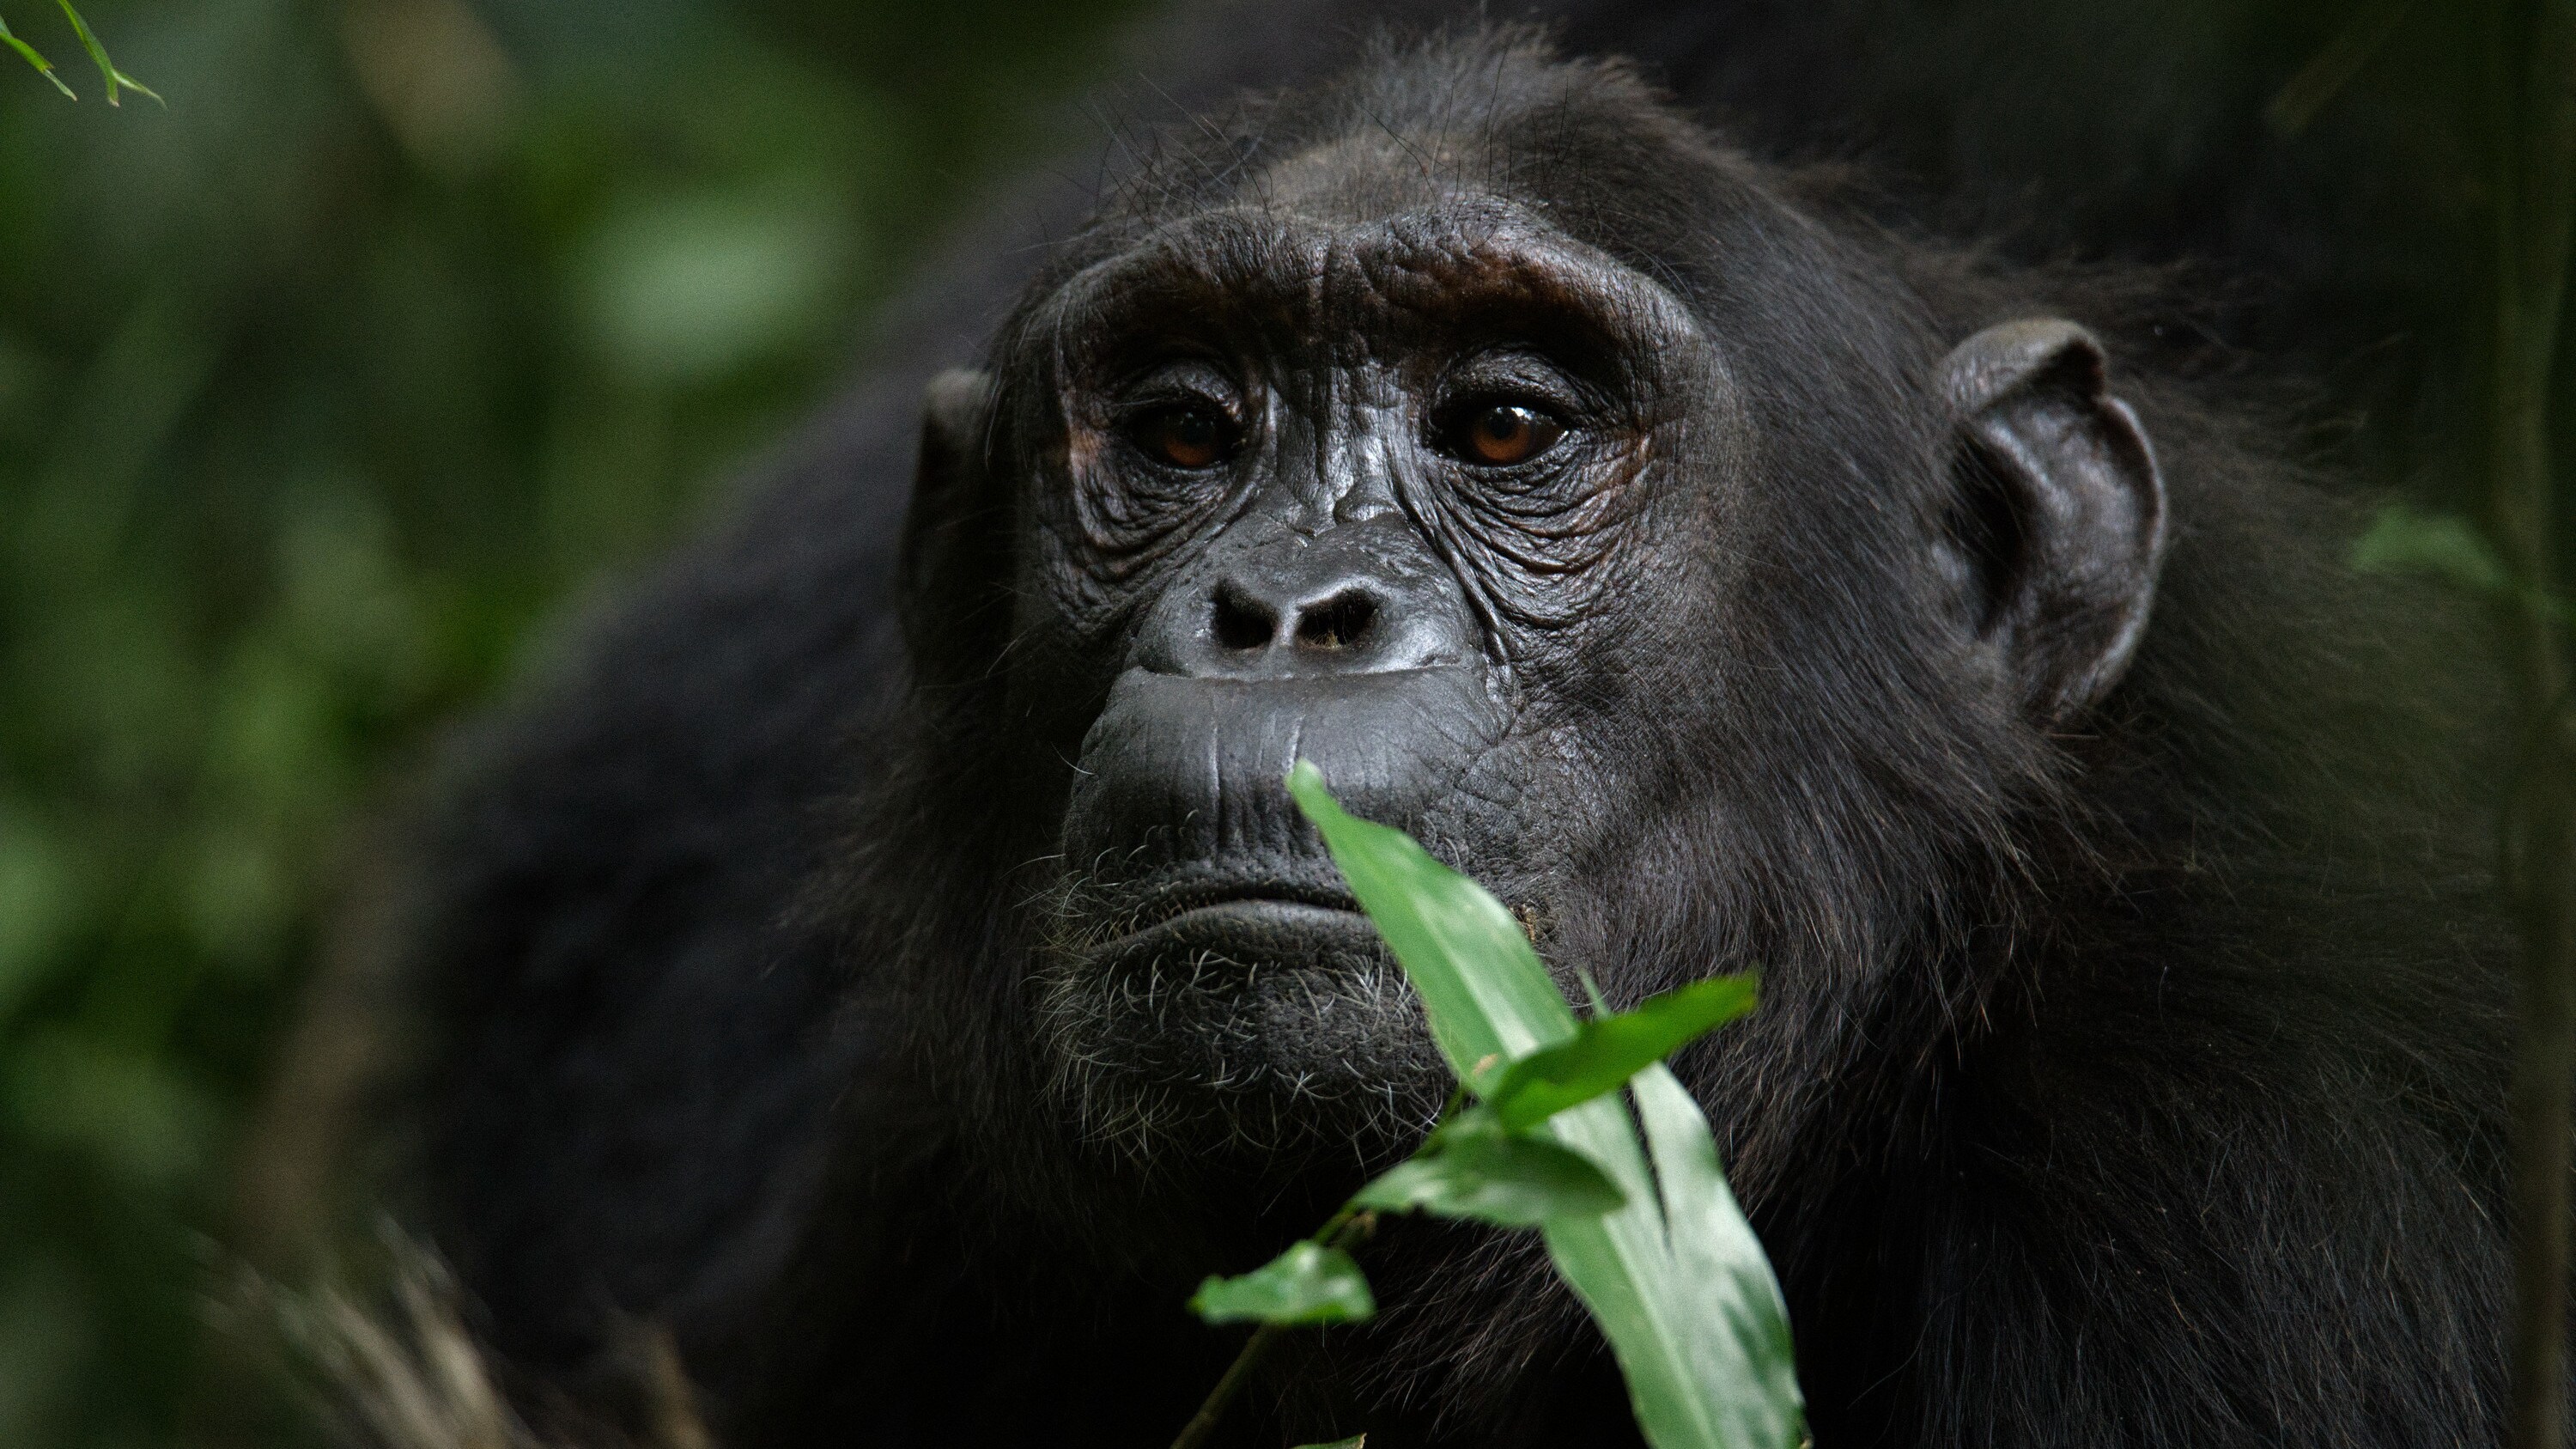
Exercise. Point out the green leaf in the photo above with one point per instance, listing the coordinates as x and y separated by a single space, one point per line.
1676 1280
1715 1247
1356 1441
1608 1050
1673 1282
2445 546
98 55
1473 1169
43 66
2449 548
1309 1283
1480 983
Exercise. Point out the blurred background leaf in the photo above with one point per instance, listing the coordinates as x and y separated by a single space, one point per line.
406 319
2403 539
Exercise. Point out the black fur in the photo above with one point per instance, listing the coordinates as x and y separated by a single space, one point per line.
2129 1081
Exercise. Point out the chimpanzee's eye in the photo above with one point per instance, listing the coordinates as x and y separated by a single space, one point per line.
1183 434
1498 434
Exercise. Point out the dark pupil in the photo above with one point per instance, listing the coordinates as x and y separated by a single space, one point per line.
1504 435
1188 437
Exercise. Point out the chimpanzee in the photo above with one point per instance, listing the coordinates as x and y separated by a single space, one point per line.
890 958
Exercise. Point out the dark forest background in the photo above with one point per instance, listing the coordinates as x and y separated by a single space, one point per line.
406 324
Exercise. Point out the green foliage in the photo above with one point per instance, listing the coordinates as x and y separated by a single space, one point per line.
1308 1284
1608 1050
414 321
117 80
1473 1167
1660 1254
43 66
2439 545
1481 983
2448 549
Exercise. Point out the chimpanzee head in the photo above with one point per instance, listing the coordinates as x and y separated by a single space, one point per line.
1656 553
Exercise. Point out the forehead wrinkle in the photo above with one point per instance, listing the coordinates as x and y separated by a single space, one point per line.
1227 256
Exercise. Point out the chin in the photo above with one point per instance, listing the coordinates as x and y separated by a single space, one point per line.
1269 1024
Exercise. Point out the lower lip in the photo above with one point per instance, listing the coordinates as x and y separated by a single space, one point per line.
1268 916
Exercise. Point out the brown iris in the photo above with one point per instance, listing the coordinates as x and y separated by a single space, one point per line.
1502 434
1184 435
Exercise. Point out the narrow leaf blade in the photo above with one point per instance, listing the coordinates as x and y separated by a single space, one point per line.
1748 1354
98 55
28 52
1486 994
1511 1182
139 88
1308 1284
1608 1050
1481 985
1621 1265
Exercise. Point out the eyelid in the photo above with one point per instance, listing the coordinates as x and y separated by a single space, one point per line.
1470 402
1146 400
1518 374
1463 406
1177 379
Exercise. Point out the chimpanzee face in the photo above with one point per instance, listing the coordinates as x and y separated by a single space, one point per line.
1412 483
1367 492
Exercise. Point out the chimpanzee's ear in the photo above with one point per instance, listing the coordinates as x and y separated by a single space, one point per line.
948 573
2062 525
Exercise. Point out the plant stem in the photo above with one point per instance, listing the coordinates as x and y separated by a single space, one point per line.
1203 1423
1340 1230
2535 201
1348 1224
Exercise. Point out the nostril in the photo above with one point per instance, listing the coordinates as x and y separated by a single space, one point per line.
1340 622
1241 622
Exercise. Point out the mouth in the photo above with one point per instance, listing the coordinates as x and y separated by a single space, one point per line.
1246 923
1174 902
1200 988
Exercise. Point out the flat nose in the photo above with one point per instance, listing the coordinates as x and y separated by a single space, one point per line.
1359 603
1344 620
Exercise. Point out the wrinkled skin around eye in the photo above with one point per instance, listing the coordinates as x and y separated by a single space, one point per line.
1147 467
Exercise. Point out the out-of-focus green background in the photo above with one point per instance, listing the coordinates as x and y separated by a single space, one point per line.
404 321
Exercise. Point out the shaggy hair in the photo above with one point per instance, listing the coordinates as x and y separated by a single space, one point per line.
2132 1080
